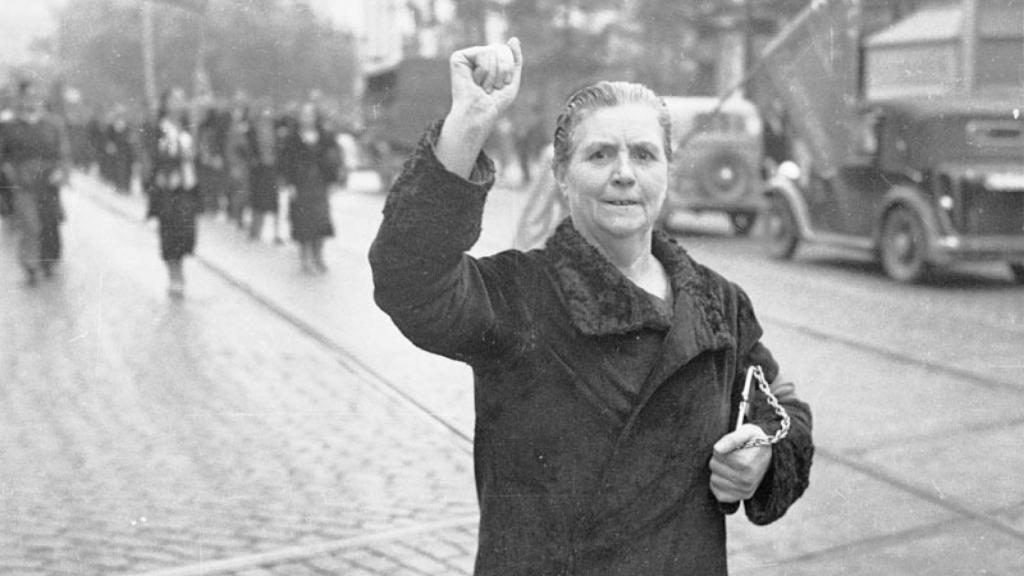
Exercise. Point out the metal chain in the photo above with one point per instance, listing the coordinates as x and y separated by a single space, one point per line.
783 430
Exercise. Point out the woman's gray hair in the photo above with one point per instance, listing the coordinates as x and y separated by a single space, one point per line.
604 94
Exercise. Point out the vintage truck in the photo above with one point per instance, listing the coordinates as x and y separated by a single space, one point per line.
921 170
398 103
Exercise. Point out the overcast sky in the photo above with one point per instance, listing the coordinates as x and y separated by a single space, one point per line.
20 22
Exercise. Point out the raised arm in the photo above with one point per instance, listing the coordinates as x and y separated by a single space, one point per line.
442 299
485 82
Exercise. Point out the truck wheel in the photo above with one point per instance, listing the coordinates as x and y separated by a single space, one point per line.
1017 269
781 234
903 250
724 176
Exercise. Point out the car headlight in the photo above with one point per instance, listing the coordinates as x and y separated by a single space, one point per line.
790 170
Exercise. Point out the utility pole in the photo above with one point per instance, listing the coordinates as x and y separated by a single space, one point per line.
148 42
969 46
148 57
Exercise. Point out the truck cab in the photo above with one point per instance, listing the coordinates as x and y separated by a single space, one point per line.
914 135
928 182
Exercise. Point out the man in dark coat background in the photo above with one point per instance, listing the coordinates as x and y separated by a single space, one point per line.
30 146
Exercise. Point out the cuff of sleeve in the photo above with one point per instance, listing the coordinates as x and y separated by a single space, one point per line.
427 195
786 480
424 159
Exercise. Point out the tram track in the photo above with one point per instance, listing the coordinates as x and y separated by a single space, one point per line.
897 356
463 438
879 473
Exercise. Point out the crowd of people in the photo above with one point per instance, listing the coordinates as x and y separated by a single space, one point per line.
192 159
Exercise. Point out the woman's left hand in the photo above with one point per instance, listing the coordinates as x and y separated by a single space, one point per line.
736 472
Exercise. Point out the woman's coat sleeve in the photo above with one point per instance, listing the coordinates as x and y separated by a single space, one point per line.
788 474
435 293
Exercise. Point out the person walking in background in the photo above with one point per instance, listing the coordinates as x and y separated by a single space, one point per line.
95 131
238 162
173 187
310 162
545 207
6 187
214 179
119 151
263 173
31 149
611 439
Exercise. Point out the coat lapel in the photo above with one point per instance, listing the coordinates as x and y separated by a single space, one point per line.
698 323
602 301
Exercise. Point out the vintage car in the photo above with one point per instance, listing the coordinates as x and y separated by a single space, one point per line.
718 153
929 182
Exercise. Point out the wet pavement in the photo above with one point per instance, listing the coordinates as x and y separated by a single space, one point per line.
276 424
139 433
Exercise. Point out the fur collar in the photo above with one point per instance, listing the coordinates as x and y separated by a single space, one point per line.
602 301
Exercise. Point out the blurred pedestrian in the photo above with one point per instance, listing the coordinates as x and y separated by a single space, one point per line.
214 178
545 207
609 366
238 162
31 148
173 186
6 186
310 162
95 129
119 151
263 173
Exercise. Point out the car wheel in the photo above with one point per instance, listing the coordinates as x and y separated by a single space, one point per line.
1017 269
743 222
781 234
903 250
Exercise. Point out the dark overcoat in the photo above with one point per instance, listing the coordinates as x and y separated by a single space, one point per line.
263 170
174 198
311 169
33 150
596 408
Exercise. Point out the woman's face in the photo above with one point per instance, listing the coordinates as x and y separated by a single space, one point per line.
617 176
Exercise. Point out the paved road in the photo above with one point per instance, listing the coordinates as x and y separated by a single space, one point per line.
916 395
140 434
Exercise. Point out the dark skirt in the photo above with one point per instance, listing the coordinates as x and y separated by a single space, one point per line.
51 215
310 214
177 216
121 172
215 184
263 188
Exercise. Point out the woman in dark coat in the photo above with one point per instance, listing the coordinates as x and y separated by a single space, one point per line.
213 169
120 152
263 172
310 161
608 365
173 191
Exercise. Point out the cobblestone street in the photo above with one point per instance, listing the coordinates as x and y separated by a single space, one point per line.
273 423
141 435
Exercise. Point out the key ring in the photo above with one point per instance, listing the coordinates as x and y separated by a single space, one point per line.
755 372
